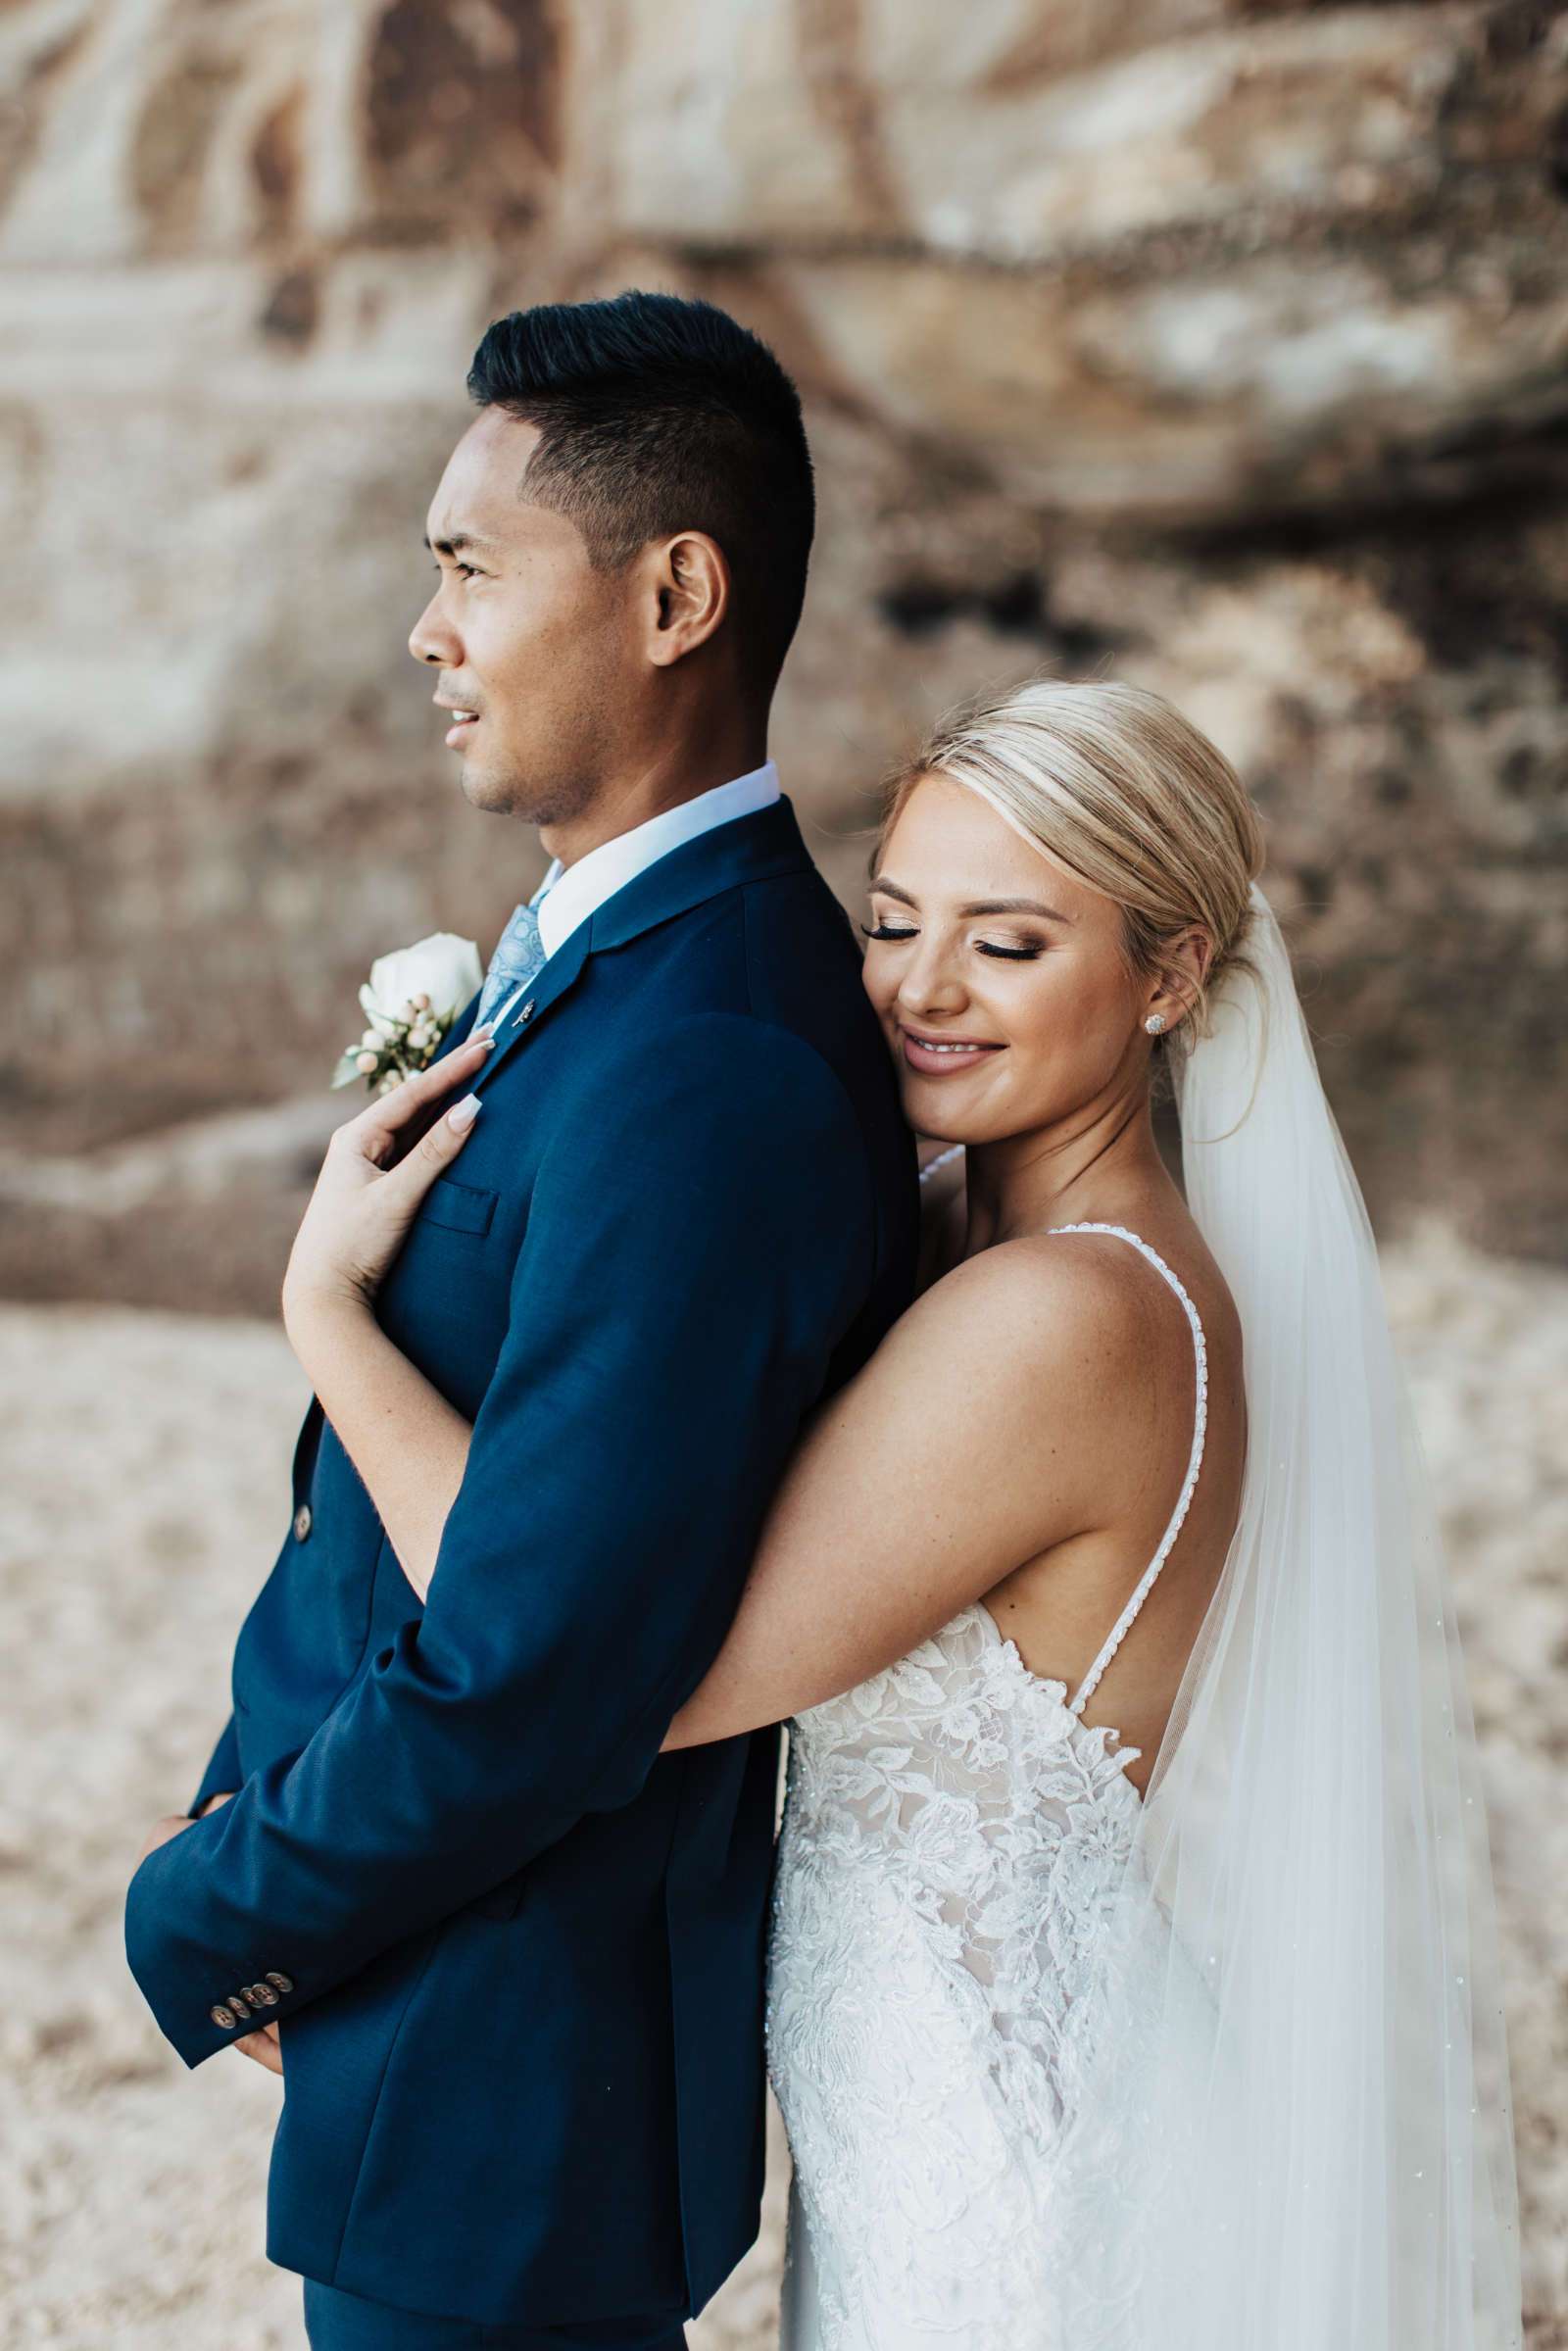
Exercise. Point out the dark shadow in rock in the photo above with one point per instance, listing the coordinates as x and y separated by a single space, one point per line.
1016 607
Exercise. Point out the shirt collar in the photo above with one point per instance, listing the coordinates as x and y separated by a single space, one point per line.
569 894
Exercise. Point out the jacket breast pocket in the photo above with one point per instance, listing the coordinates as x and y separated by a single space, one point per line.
459 1207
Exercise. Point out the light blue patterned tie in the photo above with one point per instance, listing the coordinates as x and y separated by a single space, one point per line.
520 957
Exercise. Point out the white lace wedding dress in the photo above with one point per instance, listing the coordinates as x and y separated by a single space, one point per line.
953 1843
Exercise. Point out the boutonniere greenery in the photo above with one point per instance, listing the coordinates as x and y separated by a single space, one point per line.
410 1002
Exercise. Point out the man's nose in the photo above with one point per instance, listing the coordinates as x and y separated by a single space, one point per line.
432 639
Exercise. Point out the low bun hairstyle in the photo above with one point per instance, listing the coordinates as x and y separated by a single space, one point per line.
1117 786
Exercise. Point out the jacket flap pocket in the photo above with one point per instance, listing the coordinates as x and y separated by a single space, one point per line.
460 1206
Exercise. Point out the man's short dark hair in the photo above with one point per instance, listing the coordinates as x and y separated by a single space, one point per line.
658 415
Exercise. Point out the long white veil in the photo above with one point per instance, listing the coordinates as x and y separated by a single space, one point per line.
1295 2132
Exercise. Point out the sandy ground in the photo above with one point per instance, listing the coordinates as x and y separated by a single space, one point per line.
145 1455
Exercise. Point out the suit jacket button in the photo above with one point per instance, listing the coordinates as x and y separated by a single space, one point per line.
303 1523
261 1995
238 2002
284 1984
222 2016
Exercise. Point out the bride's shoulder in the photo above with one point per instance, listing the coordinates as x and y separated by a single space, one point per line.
1015 1381
1048 1304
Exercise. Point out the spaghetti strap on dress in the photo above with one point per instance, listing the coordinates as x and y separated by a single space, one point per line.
1145 1584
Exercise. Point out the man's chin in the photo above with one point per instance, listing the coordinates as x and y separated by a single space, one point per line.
510 796
483 789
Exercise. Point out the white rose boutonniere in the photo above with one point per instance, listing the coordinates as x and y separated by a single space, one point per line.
411 1001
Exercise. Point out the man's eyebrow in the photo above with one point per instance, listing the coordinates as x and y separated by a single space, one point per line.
980 906
459 540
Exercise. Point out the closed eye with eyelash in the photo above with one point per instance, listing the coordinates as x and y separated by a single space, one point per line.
984 947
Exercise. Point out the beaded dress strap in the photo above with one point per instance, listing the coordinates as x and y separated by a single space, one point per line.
943 1159
1195 1460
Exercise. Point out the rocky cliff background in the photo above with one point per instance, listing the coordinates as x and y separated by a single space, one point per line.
1220 343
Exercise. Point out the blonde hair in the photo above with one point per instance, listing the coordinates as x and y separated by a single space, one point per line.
1117 786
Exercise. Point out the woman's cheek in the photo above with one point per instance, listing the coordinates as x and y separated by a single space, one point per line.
880 985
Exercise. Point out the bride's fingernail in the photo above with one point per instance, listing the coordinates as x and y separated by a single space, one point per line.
463 1114
484 1036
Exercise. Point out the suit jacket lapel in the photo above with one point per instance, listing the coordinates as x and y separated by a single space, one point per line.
553 982
750 848
458 1033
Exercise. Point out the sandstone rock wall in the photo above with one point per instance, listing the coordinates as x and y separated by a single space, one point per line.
1222 345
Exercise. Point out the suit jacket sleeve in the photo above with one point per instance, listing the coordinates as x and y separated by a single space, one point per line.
697 1246
223 1773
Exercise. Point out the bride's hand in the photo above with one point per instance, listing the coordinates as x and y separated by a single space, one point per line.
378 1169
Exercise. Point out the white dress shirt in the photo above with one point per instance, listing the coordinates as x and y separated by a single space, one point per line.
569 894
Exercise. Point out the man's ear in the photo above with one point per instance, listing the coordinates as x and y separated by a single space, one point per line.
691 595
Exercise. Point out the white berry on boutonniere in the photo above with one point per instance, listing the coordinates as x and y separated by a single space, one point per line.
411 1001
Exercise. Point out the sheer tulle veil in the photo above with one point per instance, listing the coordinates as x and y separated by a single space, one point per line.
1295 2132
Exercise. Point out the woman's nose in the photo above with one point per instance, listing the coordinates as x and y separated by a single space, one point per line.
431 639
930 982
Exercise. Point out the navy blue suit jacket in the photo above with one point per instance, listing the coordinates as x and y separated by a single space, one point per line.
521 1951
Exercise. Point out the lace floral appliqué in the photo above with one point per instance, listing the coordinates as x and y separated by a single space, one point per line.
953 1838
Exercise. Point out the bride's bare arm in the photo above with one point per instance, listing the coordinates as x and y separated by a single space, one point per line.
920 1488
930 1479
409 1445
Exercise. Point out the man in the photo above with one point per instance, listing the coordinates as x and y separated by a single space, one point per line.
514 1957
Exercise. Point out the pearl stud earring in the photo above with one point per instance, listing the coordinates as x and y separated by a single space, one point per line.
1155 1024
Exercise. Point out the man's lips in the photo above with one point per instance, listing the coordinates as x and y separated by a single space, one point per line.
943 1057
463 718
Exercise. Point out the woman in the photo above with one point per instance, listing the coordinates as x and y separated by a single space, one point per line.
1131 1894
